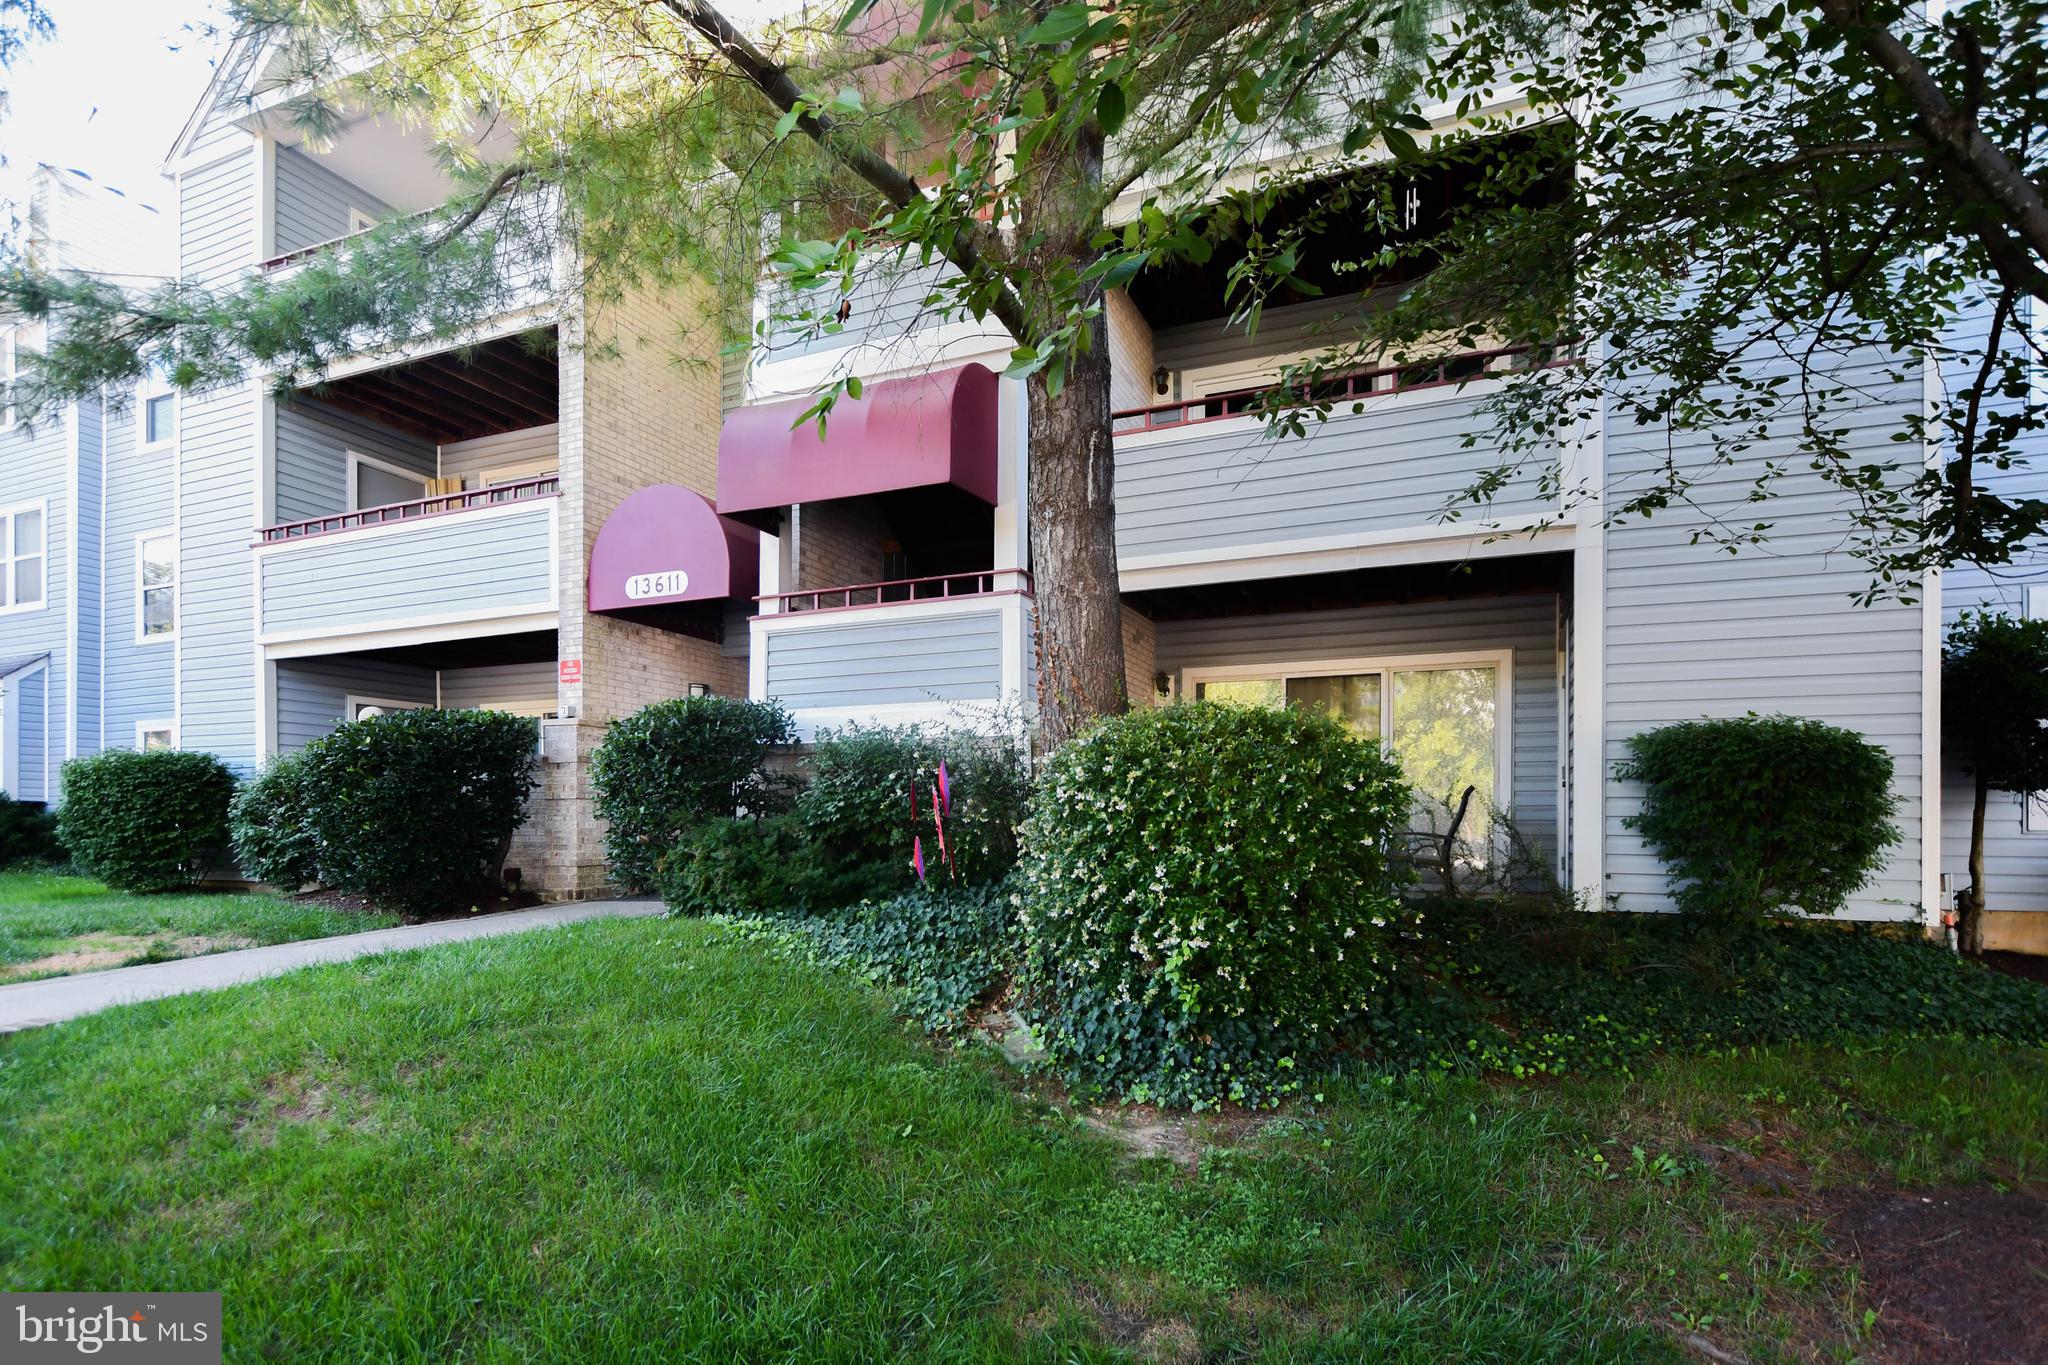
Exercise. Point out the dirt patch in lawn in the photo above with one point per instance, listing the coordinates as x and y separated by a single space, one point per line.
101 951
1954 1274
297 1099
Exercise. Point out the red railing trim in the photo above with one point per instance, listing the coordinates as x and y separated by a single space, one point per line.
1350 393
844 591
395 513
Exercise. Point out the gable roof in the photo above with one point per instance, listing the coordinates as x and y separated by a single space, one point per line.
230 85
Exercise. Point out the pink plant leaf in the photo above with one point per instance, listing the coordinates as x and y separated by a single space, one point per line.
917 856
945 789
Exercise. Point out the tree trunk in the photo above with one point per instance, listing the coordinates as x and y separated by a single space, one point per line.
1073 469
1073 548
1970 905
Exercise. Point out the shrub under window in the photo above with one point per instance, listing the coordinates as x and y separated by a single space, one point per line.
1762 814
679 762
148 821
28 833
416 809
270 824
1209 892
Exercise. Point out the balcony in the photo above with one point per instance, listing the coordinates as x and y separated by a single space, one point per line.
449 566
953 649
1202 480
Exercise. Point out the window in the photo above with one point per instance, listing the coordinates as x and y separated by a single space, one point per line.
369 708
360 221
156 414
156 734
21 557
156 586
1443 718
374 483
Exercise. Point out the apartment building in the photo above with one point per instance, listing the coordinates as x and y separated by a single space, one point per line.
571 530
86 564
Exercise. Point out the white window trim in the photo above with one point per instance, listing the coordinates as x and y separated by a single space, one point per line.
360 220
143 727
353 703
176 584
154 387
7 515
1502 661
356 461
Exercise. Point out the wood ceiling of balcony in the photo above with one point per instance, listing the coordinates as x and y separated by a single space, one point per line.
497 386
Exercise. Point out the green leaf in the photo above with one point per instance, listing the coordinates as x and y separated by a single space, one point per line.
1401 143
1032 103
853 386
786 125
1061 25
1110 108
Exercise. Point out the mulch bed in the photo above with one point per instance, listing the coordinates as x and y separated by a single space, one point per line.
1955 1274
363 905
2032 966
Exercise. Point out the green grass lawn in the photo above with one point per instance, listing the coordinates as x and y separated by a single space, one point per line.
653 1140
53 925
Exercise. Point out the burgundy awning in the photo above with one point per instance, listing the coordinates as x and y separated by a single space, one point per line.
664 547
916 432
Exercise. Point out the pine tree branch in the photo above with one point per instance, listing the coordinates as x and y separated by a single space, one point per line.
774 82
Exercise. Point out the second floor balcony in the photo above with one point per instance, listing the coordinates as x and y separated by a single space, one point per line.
477 561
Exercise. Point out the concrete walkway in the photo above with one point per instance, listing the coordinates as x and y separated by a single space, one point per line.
55 999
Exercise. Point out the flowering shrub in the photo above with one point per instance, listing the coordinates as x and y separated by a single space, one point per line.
1208 893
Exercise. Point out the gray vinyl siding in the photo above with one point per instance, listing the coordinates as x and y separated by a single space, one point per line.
313 443
1527 625
1692 631
507 685
216 129
312 694
35 467
217 515
137 683
888 302
217 219
86 563
470 460
906 661
313 202
1228 484
41 743
459 562
1221 344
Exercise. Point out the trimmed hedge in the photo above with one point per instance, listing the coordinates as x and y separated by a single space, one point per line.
270 824
150 821
415 809
28 833
1209 894
737 867
1763 813
677 763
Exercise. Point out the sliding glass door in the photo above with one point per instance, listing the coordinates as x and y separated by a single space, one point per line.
1442 718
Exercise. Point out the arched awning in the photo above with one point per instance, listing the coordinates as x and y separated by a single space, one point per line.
667 558
917 432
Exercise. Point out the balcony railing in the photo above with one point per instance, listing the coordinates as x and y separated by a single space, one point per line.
975 583
1458 368
416 509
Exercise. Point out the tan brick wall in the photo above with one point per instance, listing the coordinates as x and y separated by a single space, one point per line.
838 543
1130 353
1139 658
639 405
